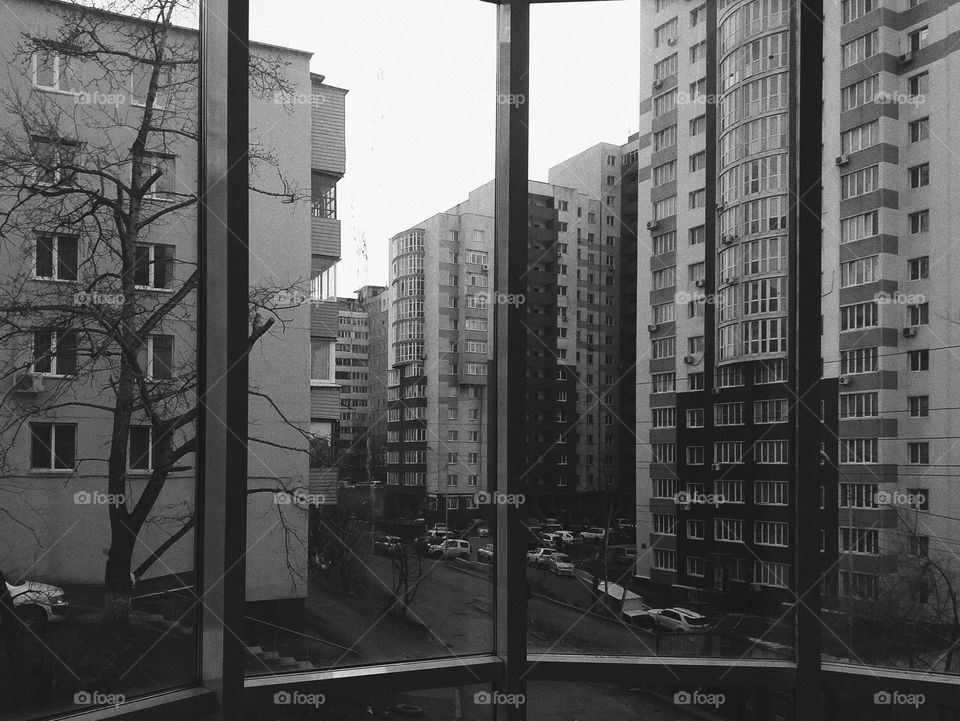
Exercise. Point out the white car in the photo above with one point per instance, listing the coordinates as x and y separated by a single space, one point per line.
679 619
549 540
539 556
593 535
566 538
38 604
560 564
451 548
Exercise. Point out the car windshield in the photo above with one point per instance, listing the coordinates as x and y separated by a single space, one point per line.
561 558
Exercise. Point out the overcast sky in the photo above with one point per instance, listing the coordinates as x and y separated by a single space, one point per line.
420 111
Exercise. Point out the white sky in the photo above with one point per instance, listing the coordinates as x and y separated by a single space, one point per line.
420 111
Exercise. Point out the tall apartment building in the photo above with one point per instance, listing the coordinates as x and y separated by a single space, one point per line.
718 304
71 123
440 344
722 299
328 165
356 436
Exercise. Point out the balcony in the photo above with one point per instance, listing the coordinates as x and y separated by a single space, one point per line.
325 236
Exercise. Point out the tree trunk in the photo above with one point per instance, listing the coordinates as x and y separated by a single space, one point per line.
13 640
117 584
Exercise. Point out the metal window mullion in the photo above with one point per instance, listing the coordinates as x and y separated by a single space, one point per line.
222 334
507 406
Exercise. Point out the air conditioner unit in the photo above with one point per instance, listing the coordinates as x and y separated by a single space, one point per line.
29 383
485 266
731 280
699 282
842 160
756 586
651 224
727 239
689 360
652 327
657 83
844 380
906 58
716 467
671 41
909 332
715 391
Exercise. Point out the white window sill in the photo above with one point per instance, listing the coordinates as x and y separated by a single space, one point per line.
52 471
151 289
315 383
43 279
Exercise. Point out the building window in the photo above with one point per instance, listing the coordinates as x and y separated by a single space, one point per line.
695 418
855 451
860 182
728 452
859 315
695 381
919 222
858 495
55 257
664 417
153 265
156 357
920 175
54 352
859 360
728 414
140 448
770 493
54 158
697 234
665 34
919 453
859 93
665 243
728 529
664 560
859 540
665 138
919 85
694 455
55 68
695 530
663 104
919 360
918 314
664 208
665 173
860 137
53 446
919 130
860 49
853 9
770 533
918 39
768 573
696 566
664 487
859 405
773 452
771 411
919 406
664 452
665 525
864 586
698 125
698 161
665 68
453 503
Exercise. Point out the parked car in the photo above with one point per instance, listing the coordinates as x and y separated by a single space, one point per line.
550 527
679 620
548 540
485 553
38 604
625 524
595 534
538 556
627 604
388 545
442 527
560 564
450 548
566 538
480 528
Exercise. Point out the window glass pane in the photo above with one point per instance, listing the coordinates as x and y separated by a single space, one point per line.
98 604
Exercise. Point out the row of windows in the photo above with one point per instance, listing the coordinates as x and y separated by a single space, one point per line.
726 452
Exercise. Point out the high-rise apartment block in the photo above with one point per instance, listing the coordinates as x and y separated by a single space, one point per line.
721 296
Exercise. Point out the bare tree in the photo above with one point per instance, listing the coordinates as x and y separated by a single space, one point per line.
88 175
